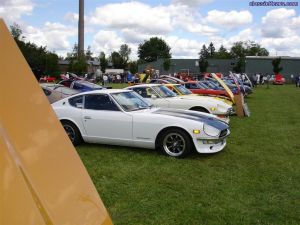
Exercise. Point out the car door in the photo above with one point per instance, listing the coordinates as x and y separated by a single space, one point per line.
105 122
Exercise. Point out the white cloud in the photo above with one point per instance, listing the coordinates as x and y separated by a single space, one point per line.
107 42
232 19
141 17
12 10
184 48
192 2
280 32
192 22
53 35
279 23
71 17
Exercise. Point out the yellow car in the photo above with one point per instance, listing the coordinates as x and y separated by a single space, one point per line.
182 91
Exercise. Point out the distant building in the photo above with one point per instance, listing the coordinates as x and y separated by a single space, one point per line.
190 66
253 64
263 64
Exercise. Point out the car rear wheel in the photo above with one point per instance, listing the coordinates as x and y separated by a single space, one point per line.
175 143
72 132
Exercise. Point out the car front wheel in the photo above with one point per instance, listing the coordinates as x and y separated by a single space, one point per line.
175 143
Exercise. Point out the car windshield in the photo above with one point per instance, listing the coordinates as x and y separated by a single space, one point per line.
203 85
163 91
130 101
183 90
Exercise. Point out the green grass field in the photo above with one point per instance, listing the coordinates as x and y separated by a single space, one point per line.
254 180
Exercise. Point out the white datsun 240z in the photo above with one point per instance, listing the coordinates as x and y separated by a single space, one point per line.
161 96
122 117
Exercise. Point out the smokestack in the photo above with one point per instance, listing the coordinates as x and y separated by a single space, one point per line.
81 28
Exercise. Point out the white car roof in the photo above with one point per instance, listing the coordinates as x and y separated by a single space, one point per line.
105 91
144 85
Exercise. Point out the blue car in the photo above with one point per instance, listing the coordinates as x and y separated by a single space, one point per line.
83 86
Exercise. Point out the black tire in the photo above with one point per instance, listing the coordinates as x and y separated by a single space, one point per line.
175 142
72 132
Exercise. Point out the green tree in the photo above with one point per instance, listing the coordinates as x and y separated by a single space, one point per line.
254 49
103 62
167 64
240 50
77 64
116 60
153 49
276 65
40 60
133 67
89 54
16 31
222 53
211 50
203 56
124 52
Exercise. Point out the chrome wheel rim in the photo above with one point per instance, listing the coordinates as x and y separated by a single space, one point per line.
70 132
174 144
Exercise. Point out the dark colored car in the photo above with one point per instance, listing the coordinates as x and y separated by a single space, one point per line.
81 85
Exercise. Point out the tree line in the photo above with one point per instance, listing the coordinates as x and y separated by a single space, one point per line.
44 62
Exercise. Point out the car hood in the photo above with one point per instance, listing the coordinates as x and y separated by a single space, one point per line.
207 98
192 115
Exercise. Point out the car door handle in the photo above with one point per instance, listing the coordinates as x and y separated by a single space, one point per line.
87 117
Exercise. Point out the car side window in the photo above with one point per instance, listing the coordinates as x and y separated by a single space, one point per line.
99 102
76 101
145 92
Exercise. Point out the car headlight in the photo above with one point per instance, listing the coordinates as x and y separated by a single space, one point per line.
222 108
211 131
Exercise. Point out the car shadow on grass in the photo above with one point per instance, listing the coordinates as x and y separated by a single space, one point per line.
142 152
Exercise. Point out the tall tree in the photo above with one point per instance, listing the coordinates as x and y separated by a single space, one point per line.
133 67
125 52
167 64
103 62
276 65
153 49
240 50
116 60
77 63
203 56
222 53
211 50
89 54
40 60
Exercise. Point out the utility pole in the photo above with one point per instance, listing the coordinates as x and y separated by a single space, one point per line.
81 28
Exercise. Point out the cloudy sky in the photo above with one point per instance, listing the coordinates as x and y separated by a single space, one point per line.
184 24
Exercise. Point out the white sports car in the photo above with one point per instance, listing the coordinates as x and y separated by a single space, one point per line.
161 96
122 117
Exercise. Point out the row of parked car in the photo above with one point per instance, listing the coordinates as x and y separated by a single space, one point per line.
168 116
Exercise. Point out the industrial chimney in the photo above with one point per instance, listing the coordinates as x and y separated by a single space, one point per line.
81 28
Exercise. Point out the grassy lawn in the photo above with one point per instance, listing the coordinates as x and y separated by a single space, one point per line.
255 180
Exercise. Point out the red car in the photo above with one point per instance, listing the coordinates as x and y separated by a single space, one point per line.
278 79
197 88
